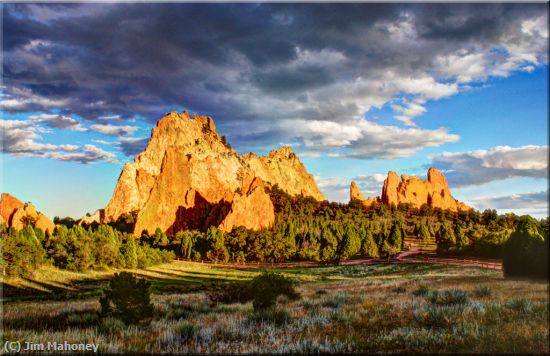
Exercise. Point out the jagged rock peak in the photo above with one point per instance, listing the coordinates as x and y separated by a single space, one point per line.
434 191
356 195
284 152
188 177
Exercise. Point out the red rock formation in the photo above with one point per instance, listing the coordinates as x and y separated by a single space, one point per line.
16 214
189 178
8 206
434 191
283 168
355 194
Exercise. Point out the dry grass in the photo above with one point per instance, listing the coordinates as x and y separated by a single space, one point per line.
342 309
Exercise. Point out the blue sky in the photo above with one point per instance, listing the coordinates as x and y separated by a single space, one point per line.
357 90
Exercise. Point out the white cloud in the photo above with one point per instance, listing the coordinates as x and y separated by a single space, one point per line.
501 162
532 203
114 130
88 154
364 139
23 138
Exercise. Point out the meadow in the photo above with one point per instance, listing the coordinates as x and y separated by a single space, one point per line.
387 308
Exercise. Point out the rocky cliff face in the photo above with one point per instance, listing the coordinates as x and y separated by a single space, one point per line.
356 195
283 168
189 178
434 191
16 214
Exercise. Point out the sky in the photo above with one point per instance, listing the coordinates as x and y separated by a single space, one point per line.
357 90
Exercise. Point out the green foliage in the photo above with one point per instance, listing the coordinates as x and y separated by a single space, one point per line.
228 293
526 252
268 286
22 252
216 250
445 238
482 292
127 298
424 232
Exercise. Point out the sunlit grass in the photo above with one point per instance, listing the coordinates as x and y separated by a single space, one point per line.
342 309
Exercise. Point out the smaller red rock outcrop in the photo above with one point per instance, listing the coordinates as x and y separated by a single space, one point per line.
16 214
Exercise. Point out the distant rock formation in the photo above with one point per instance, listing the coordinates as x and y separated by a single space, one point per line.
188 177
356 195
433 192
17 215
283 168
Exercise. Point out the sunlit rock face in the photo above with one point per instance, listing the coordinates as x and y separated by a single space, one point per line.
434 191
17 215
188 177
356 195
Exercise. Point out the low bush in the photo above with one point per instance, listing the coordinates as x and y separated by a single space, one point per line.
448 297
422 291
128 298
521 305
111 325
337 300
268 286
482 292
234 292
273 315
187 331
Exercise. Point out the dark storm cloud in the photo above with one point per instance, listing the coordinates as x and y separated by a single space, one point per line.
257 65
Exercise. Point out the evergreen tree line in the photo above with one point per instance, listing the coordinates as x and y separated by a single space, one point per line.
75 249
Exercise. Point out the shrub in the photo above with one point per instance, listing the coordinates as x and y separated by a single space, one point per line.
234 292
187 331
273 315
128 298
482 292
526 252
521 305
268 286
337 300
111 325
453 297
434 316
422 291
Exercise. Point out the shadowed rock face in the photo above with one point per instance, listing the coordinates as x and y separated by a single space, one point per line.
188 177
16 214
434 191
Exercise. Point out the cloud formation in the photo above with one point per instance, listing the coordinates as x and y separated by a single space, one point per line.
536 200
501 162
114 130
24 138
265 65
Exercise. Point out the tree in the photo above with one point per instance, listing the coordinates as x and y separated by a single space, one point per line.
129 251
445 238
368 246
127 298
424 232
526 252
160 239
216 250
350 244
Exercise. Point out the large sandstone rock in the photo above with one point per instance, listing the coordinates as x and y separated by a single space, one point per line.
356 195
434 191
283 168
8 206
17 215
189 178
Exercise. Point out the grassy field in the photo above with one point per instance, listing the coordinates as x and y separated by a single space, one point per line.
378 308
